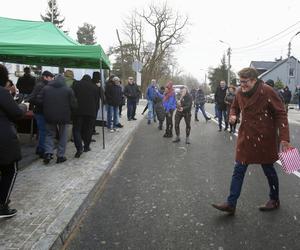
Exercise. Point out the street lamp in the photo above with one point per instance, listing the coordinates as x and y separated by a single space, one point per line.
229 56
204 75
289 61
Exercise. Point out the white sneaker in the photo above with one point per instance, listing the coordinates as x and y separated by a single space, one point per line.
116 129
111 130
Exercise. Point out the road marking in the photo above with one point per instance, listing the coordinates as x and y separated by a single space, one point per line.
236 134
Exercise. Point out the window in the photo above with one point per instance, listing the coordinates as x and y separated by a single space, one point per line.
292 72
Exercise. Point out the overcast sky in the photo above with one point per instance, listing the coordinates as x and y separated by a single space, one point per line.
240 23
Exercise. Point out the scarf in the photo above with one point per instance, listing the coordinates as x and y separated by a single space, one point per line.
170 91
251 91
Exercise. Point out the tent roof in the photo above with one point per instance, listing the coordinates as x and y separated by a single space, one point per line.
42 43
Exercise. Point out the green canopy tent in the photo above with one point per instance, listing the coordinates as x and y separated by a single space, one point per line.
42 43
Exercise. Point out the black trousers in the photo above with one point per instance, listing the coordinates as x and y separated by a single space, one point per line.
7 181
169 122
187 118
82 131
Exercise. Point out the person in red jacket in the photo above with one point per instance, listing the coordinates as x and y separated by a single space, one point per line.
263 115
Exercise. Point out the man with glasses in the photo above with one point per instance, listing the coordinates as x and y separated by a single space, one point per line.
132 92
263 115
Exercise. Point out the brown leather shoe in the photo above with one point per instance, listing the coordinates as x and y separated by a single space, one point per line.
270 206
225 207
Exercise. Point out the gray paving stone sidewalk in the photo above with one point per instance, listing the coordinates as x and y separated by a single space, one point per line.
50 199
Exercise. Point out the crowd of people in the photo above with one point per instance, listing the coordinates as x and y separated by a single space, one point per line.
56 102
162 103
60 100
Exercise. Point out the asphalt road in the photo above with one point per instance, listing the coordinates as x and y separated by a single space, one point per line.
160 193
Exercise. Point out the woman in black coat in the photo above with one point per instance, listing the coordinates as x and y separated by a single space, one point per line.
10 152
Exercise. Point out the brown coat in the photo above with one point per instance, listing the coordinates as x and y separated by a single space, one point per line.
263 115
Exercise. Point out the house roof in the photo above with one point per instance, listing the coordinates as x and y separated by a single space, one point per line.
262 64
277 65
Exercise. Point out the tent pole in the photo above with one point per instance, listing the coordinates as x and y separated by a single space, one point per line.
102 105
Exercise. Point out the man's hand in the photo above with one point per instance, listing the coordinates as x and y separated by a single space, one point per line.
285 146
232 119
180 109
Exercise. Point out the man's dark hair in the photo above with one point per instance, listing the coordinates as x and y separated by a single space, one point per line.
249 73
3 75
47 73
27 70
96 77
86 78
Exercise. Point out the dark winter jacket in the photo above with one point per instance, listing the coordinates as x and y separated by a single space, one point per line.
10 150
287 95
186 103
220 97
88 97
131 91
33 98
159 107
113 94
229 99
58 101
199 97
26 84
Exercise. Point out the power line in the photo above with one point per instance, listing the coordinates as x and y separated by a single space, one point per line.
264 44
267 39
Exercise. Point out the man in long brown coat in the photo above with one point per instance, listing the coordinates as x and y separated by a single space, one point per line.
263 116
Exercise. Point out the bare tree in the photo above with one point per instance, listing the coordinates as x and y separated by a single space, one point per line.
168 30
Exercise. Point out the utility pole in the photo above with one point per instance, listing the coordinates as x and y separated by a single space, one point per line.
229 57
289 60
229 66
289 49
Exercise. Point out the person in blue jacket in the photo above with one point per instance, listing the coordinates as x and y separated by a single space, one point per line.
150 95
169 102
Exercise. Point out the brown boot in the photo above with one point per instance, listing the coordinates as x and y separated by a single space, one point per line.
225 207
270 206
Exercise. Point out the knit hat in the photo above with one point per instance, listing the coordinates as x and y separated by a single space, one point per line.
69 73
270 82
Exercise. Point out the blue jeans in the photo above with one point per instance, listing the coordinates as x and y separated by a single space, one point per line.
151 111
222 114
216 111
112 116
238 178
202 108
41 125
131 108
